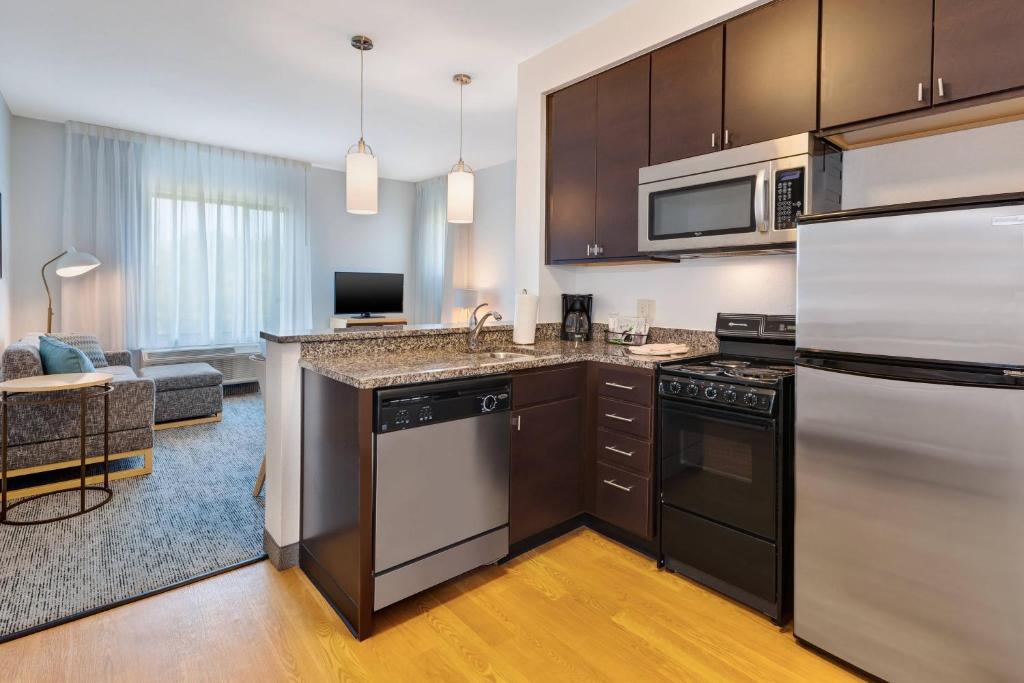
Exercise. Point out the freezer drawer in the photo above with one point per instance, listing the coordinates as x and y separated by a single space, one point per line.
941 285
909 536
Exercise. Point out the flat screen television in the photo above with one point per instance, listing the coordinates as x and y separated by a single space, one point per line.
363 294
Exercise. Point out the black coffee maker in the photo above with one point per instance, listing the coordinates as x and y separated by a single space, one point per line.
577 316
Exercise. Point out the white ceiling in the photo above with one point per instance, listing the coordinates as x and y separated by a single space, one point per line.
279 76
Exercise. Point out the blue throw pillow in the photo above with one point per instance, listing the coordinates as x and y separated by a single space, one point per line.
59 358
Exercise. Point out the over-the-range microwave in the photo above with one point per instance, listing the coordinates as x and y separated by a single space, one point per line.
738 201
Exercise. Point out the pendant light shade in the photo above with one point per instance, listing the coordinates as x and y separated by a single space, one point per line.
360 162
361 180
460 178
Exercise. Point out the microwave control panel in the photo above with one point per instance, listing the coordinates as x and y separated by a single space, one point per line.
789 197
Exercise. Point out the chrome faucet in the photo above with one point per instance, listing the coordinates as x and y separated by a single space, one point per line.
477 324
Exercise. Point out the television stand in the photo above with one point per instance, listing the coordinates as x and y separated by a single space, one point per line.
360 321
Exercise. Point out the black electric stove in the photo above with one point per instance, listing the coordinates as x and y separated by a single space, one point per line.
725 448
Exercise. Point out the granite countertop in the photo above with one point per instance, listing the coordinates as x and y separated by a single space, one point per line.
431 365
369 332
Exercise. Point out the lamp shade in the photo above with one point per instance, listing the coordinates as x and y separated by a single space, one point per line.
460 195
361 181
75 263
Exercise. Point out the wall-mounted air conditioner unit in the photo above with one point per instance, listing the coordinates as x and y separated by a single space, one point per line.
232 361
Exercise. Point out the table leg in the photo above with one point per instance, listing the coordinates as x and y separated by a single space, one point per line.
3 456
82 398
106 436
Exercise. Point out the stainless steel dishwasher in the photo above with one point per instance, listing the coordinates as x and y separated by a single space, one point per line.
441 471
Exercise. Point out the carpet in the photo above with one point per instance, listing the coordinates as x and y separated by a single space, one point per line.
194 515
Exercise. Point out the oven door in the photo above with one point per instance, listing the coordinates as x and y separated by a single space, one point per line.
720 465
725 209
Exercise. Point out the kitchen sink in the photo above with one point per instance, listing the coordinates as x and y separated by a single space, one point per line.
508 355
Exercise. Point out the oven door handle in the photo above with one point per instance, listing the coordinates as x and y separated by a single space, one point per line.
761 200
765 424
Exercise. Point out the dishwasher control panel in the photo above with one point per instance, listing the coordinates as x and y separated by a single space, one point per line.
423 405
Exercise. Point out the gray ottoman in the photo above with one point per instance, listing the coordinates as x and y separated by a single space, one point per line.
186 394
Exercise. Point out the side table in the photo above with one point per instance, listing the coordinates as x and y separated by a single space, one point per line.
82 387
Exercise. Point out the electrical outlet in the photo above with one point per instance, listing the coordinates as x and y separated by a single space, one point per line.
645 309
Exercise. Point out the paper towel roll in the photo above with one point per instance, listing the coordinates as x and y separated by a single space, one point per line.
525 329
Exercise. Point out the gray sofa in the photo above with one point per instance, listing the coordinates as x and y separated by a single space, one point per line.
46 437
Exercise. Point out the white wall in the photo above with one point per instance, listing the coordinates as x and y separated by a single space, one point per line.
342 241
689 294
5 221
963 164
37 164
494 213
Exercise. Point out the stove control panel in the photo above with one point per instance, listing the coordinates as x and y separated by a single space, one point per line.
721 393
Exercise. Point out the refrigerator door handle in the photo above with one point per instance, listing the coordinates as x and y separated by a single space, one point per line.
913 370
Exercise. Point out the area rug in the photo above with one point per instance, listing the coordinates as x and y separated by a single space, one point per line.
193 516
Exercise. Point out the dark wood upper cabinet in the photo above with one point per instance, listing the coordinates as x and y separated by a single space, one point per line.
686 96
571 170
771 72
977 48
623 115
876 58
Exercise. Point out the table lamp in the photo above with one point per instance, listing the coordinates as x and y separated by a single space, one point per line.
70 263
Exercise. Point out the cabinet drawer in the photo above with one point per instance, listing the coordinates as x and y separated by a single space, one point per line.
626 384
624 499
624 417
624 451
544 386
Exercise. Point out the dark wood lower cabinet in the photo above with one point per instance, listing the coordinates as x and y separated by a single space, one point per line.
624 499
546 455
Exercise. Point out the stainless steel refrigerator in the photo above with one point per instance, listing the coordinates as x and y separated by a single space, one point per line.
909 536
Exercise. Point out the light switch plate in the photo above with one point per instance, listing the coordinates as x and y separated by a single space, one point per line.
645 309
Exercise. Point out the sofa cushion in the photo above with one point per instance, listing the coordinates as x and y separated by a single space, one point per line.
21 360
183 376
89 345
59 358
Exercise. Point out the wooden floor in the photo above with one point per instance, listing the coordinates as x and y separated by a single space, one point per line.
581 608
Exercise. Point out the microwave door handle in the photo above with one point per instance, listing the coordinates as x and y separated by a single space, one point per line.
761 200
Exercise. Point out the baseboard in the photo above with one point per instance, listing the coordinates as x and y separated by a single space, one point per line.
647 547
281 557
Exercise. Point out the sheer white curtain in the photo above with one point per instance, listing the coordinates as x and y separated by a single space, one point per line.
211 244
441 258
104 214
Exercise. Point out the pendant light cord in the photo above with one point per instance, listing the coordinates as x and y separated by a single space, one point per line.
361 53
461 87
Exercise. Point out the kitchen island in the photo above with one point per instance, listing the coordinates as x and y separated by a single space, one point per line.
320 394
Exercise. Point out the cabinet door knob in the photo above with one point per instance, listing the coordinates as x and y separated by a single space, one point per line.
616 385
615 484
725 140
518 422
589 247
942 89
920 92
712 141
613 449
618 417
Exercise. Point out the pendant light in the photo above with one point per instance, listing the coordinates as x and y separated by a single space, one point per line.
460 178
360 163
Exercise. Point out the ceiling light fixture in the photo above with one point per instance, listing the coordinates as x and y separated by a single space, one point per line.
360 163
460 178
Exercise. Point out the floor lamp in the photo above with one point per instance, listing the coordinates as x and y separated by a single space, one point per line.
70 263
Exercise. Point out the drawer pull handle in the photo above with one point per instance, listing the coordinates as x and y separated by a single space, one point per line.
618 417
619 386
615 484
613 449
